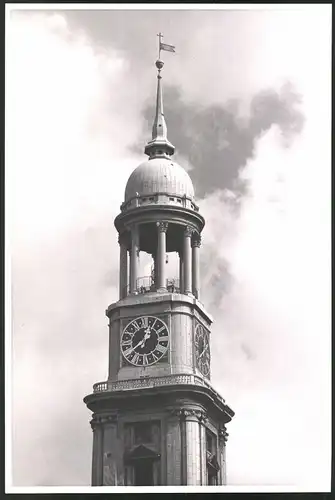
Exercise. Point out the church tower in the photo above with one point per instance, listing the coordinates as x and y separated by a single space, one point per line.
157 420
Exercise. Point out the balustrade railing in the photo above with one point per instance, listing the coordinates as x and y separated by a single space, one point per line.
129 384
146 284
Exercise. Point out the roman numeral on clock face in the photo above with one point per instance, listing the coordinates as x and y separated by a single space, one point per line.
145 359
136 326
160 348
127 351
136 358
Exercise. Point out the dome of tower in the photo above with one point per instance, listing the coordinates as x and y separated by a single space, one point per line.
159 175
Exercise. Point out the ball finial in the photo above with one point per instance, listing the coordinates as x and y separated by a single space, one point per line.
159 64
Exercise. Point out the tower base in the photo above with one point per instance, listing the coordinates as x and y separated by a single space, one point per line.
166 431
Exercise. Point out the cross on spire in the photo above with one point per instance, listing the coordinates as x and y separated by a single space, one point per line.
160 36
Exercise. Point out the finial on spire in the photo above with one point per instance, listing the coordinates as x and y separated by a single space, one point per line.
160 146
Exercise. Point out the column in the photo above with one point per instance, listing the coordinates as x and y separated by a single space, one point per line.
161 255
187 260
196 242
134 258
193 448
97 454
94 452
181 272
123 271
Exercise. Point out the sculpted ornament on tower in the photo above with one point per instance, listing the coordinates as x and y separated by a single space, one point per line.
223 434
187 413
162 226
98 420
188 231
196 241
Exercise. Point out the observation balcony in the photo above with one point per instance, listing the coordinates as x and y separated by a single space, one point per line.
146 284
148 382
177 382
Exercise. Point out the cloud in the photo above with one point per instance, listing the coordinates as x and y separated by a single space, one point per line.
217 140
65 180
273 325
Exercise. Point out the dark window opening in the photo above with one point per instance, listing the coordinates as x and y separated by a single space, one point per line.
142 432
171 199
210 446
151 199
212 478
212 464
144 473
179 200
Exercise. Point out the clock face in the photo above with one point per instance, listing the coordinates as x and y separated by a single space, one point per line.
202 349
144 341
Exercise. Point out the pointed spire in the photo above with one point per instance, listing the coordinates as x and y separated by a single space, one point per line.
159 146
159 129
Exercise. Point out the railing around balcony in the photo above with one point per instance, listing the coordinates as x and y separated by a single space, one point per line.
147 382
146 284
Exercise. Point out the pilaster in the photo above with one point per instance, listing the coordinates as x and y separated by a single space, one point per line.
97 460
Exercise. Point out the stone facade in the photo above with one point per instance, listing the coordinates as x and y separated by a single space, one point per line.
176 445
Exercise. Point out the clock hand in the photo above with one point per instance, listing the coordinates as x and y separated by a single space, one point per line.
142 341
135 346
146 336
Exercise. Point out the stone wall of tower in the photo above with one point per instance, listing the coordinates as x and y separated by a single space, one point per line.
179 312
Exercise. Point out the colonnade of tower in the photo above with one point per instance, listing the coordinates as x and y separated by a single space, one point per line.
188 256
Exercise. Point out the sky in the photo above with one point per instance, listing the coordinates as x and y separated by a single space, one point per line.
247 105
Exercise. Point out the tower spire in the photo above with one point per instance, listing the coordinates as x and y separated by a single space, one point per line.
159 146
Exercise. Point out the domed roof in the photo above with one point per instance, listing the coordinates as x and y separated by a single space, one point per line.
159 175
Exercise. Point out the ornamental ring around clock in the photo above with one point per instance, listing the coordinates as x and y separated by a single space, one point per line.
145 340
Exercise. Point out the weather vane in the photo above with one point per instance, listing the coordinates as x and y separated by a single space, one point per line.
164 46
